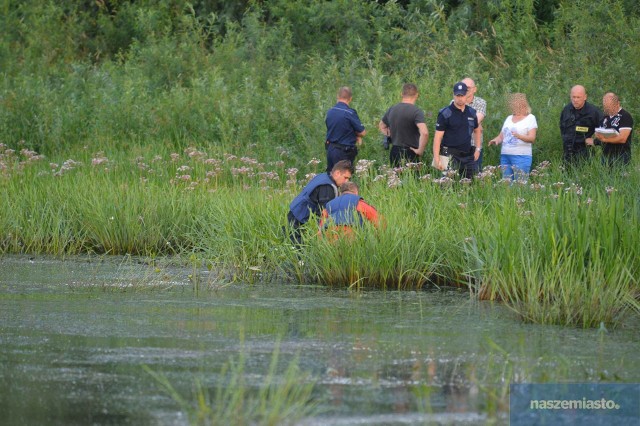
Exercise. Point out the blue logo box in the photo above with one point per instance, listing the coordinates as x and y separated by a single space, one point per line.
574 404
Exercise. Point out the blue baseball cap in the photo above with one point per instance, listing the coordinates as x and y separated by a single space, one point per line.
459 88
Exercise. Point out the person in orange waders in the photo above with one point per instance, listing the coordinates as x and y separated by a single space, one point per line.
345 212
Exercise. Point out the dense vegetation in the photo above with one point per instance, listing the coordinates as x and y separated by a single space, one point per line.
170 127
248 77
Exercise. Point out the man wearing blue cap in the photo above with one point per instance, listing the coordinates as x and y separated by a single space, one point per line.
455 125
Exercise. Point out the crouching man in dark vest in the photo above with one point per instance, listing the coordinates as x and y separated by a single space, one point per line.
315 195
347 211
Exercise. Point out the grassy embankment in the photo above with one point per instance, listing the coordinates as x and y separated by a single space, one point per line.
559 249
562 249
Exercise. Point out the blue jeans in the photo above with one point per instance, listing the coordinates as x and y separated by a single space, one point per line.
515 166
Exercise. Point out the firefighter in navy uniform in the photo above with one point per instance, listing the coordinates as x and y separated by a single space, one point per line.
578 122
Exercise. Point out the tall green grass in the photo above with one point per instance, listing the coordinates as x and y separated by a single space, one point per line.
168 129
557 252
573 261
562 248
285 397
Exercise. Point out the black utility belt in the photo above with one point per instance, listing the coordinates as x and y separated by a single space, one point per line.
345 148
447 150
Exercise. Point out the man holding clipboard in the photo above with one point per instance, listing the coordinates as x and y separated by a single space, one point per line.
615 132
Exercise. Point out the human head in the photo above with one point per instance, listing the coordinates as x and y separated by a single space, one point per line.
471 88
341 172
460 94
518 104
409 90
345 94
578 96
460 89
349 188
610 103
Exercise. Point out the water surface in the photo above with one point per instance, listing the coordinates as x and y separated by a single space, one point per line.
75 336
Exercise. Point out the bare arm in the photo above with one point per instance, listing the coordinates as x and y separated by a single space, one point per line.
424 139
530 137
437 140
617 139
497 140
384 129
477 135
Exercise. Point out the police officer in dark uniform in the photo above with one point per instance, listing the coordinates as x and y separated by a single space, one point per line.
455 125
578 121
344 130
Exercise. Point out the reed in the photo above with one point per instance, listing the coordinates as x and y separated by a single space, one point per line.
285 397
174 130
583 268
557 252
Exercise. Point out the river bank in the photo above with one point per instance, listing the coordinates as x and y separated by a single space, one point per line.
561 248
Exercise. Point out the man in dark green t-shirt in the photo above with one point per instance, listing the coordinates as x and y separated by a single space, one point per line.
404 123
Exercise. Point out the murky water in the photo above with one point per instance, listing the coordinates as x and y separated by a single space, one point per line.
76 334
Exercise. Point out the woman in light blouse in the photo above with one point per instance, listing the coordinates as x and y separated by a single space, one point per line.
517 136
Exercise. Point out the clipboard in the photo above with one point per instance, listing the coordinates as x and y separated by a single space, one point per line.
444 161
606 132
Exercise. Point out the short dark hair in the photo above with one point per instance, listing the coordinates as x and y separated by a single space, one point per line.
409 89
349 187
345 93
342 166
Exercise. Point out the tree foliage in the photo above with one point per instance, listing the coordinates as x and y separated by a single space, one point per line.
75 71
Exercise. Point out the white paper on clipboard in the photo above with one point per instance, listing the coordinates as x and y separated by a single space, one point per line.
605 131
444 162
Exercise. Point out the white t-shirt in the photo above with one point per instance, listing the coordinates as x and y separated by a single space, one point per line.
512 145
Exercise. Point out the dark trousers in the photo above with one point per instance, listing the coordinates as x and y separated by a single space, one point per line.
336 152
400 155
479 167
293 231
575 153
616 159
464 165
